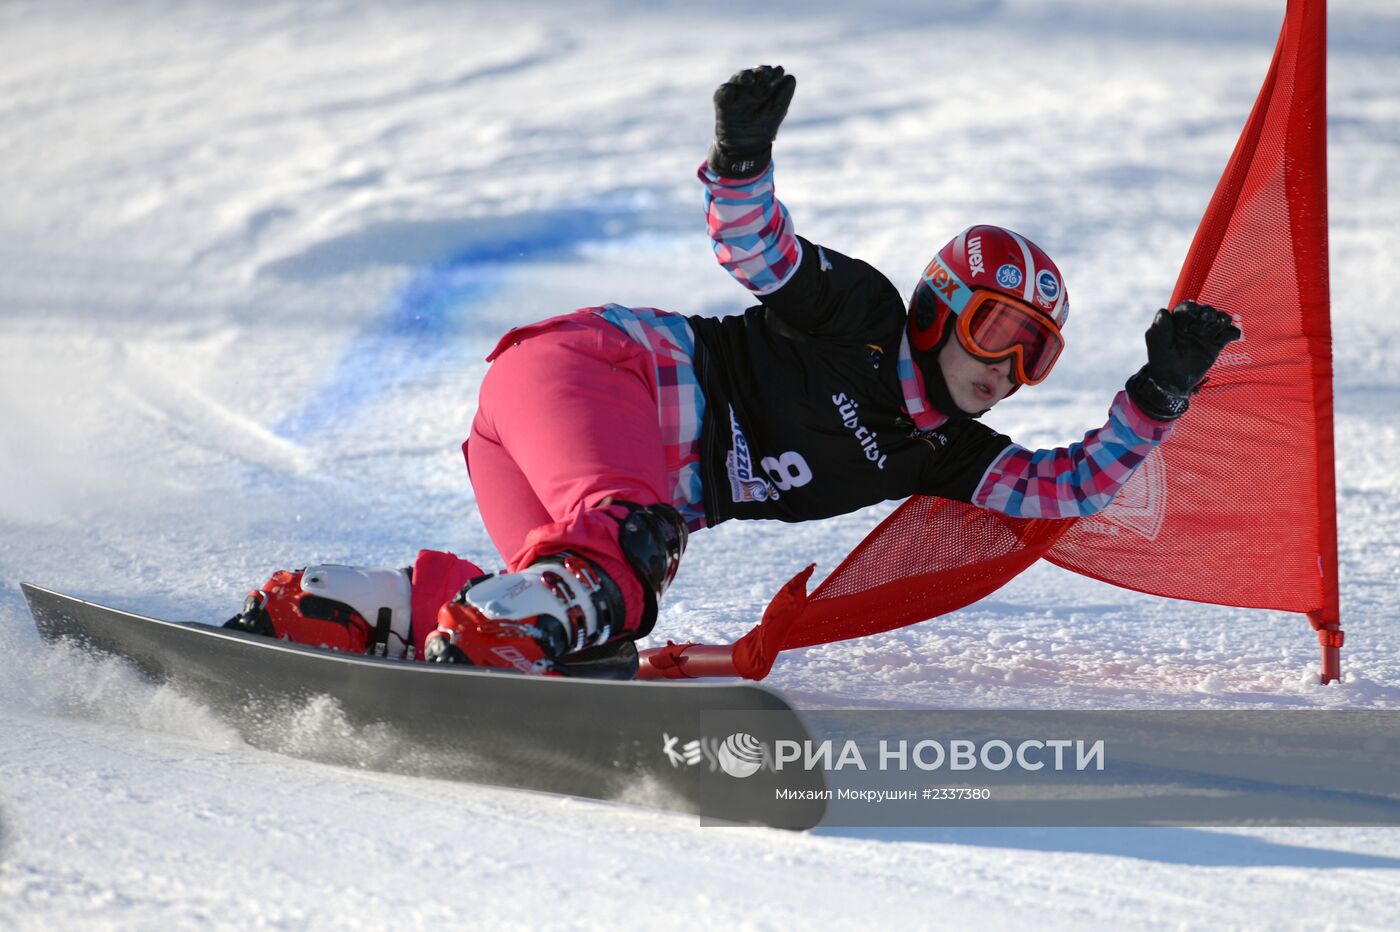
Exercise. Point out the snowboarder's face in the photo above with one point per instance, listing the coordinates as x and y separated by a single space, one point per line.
974 384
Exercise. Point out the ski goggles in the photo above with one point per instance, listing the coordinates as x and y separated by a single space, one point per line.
993 327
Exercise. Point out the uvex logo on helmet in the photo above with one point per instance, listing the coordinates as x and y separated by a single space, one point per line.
944 284
984 258
974 255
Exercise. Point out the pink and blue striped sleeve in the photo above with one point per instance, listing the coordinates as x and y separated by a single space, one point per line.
752 232
1074 481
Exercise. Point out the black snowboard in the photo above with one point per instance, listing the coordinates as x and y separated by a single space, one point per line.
657 744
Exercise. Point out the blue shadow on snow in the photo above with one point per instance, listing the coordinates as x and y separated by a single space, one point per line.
414 337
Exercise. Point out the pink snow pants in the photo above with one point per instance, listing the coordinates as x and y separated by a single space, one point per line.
566 423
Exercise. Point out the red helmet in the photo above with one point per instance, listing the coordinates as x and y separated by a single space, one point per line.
1007 297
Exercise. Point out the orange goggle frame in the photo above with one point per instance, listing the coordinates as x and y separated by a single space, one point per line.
994 327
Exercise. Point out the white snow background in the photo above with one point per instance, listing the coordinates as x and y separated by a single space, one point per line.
253 254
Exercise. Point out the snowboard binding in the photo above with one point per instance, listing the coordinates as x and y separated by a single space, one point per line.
330 606
564 615
557 617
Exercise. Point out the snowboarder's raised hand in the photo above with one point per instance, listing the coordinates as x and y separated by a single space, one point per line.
749 108
1182 345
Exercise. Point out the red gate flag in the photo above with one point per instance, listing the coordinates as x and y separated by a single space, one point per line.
1245 485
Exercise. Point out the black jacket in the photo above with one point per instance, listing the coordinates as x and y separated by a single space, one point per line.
804 412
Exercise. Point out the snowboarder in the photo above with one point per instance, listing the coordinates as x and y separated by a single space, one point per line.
605 436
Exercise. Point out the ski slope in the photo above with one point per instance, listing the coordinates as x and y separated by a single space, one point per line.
254 254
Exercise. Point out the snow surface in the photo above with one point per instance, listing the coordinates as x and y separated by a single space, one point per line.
254 254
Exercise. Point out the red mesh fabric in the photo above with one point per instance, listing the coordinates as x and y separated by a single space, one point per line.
1245 487
930 553
1247 482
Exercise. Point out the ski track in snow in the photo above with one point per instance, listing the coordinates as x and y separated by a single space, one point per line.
254 257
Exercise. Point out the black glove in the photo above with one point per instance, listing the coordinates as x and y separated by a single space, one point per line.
749 108
1182 345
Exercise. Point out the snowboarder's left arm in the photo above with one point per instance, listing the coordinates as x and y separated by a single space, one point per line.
1083 478
1074 481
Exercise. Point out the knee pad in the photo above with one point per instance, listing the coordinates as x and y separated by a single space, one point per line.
653 538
